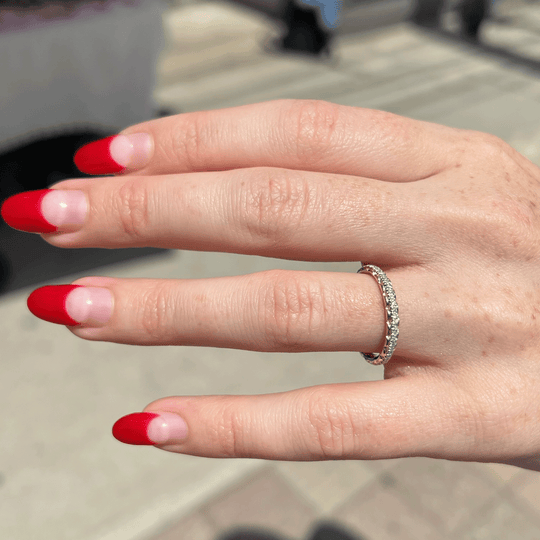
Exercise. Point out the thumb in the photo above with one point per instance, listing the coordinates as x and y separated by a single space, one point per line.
367 420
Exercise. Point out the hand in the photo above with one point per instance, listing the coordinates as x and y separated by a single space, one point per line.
452 217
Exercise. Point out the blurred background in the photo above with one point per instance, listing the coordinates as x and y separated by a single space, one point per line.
73 72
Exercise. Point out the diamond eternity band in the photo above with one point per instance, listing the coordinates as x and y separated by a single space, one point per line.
392 315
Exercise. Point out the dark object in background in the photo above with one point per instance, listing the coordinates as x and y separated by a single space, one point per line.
40 163
331 531
472 13
45 159
323 531
427 13
35 165
250 534
304 33
26 259
275 9
5 270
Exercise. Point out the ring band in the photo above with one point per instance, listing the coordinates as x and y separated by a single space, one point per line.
392 315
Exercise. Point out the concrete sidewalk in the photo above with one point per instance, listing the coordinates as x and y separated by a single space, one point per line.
64 477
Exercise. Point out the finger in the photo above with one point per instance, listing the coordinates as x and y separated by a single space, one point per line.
263 211
292 134
276 310
409 416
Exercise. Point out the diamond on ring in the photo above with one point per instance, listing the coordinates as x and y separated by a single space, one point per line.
392 315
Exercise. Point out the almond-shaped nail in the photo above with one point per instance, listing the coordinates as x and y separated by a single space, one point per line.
150 428
46 210
72 305
115 154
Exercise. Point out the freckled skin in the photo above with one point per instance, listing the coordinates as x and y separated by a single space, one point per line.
450 215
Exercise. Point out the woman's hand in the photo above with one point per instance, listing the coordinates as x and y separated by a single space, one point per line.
452 217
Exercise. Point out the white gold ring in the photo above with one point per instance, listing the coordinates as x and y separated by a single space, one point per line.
392 315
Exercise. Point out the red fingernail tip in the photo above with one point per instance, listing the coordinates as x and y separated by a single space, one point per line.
95 158
23 212
133 428
49 303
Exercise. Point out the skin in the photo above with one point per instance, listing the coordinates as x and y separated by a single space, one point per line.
452 217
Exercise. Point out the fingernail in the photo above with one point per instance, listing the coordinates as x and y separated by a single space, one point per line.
115 154
72 305
45 210
150 428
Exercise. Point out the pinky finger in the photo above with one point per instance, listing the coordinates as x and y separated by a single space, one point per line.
367 420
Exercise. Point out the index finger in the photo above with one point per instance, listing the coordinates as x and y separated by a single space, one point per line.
308 135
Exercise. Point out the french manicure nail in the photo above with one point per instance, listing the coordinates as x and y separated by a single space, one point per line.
115 154
45 210
72 305
150 428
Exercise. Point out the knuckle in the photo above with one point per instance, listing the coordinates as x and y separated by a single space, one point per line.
492 153
314 124
293 310
516 235
507 324
504 228
333 427
515 321
155 313
228 430
495 426
132 208
488 153
487 145
276 203
502 221
193 139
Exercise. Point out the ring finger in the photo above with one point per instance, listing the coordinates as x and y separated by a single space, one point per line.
276 310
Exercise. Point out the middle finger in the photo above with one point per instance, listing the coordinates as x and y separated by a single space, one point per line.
260 211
